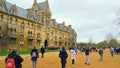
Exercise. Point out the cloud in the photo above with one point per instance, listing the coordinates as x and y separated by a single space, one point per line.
89 18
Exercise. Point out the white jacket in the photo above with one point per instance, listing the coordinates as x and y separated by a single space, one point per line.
73 54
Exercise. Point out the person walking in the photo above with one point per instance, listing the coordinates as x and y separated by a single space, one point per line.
42 50
14 59
34 56
73 55
63 55
112 51
101 54
87 56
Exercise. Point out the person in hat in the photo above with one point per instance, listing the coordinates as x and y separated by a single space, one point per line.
17 58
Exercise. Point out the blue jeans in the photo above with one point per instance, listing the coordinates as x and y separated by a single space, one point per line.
34 62
87 59
101 58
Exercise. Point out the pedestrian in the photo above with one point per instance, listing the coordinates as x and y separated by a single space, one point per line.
101 54
73 55
42 50
34 56
13 60
63 55
112 51
87 56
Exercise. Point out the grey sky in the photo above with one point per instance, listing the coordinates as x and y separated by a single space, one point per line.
90 18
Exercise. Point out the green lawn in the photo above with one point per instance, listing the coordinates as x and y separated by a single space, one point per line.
24 52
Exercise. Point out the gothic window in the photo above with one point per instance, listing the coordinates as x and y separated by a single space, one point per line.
14 32
30 14
14 10
38 42
11 31
29 42
22 28
29 33
38 35
11 20
21 37
1 18
42 19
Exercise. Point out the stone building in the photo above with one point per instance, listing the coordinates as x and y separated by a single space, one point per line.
25 28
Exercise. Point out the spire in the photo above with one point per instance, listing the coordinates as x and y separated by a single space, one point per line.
35 2
47 6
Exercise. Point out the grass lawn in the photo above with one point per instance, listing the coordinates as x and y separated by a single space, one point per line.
24 52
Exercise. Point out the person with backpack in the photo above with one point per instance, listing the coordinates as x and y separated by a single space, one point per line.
42 50
13 60
34 56
63 55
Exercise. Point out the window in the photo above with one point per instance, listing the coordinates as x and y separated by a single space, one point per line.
11 31
28 24
14 32
29 42
29 33
21 28
12 41
21 37
16 22
1 18
21 45
38 42
38 35
11 20
42 19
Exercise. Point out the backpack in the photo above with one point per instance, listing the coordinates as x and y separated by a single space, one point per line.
10 63
34 54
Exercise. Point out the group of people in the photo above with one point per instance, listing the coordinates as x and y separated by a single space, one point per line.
63 55
13 60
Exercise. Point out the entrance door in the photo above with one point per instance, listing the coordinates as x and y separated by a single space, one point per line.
46 43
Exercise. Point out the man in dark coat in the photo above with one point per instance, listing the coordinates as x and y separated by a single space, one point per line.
34 56
87 50
42 50
63 55
17 58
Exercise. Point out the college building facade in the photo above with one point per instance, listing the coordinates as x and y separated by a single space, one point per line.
25 28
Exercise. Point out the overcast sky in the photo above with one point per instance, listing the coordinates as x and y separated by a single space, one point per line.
90 18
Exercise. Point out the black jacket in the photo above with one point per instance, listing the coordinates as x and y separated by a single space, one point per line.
17 58
87 51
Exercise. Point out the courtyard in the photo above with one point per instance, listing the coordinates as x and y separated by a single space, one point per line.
51 60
